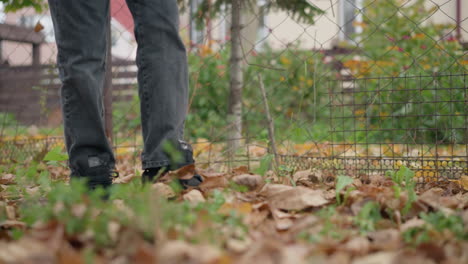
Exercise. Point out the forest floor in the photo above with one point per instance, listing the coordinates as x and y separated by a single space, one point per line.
237 216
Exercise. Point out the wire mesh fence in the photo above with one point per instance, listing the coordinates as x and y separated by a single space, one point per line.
362 87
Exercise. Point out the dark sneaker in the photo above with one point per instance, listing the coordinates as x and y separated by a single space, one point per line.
98 177
97 172
153 174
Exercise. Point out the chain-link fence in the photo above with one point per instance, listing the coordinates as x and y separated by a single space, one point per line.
362 87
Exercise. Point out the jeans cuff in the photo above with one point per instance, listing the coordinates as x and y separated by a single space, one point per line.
165 163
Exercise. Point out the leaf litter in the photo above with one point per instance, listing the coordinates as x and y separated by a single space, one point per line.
237 217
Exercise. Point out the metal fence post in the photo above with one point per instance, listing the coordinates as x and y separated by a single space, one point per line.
108 85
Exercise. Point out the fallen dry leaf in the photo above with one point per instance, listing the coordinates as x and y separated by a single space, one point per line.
194 197
298 198
182 252
125 179
7 179
412 223
464 182
250 181
376 258
240 170
38 27
144 254
25 250
411 257
163 190
8 224
283 221
266 251
238 245
185 172
240 208
357 246
68 255
218 181
387 240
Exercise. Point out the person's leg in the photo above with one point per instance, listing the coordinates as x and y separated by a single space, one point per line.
163 82
80 32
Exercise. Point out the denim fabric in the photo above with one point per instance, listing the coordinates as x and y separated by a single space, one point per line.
80 32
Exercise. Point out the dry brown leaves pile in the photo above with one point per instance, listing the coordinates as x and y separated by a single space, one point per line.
280 219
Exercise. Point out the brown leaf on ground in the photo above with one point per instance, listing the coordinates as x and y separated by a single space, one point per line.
6 179
240 208
163 190
194 197
177 251
464 182
11 212
256 217
144 254
214 181
240 170
298 198
301 175
464 216
377 258
25 250
125 179
386 240
357 246
266 251
251 181
184 173
270 190
68 255
412 223
339 257
8 224
412 257
238 245
432 251
283 220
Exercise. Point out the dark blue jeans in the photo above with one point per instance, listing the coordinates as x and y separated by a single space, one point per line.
80 32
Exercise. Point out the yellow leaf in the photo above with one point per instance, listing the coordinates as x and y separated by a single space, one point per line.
464 182
241 208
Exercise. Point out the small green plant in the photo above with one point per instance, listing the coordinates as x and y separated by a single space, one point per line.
416 235
435 222
265 164
404 181
440 222
56 157
329 227
341 183
367 217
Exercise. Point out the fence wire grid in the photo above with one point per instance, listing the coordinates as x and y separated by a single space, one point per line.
369 86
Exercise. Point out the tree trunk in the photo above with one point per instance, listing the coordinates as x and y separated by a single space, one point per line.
236 80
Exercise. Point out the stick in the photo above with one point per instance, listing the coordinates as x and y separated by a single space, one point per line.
271 129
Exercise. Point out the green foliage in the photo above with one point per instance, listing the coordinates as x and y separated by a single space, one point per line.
341 183
134 205
291 91
55 155
404 181
368 216
15 5
416 235
440 222
398 40
436 223
265 164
